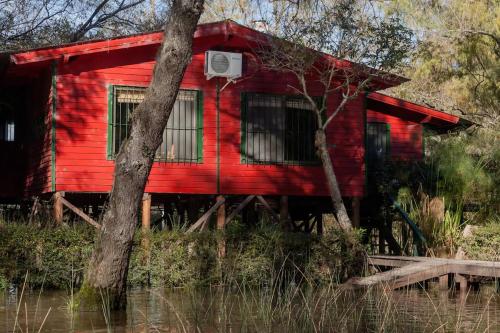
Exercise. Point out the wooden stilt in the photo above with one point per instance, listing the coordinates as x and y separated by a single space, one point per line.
240 207
443 282
221 221
462 281
268 208
34 210
319 224
284 212
79 212
146 212
201 221
381 241
356 217
58 207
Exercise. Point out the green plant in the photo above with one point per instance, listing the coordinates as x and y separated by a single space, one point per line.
4 283
484 242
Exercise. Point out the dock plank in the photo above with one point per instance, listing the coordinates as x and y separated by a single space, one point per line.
410 270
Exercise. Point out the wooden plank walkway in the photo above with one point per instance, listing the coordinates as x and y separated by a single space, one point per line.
410 270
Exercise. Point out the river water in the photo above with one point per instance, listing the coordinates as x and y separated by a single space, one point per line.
217 310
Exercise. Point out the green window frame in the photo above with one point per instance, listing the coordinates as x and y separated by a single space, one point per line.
378 142
183 135
277 129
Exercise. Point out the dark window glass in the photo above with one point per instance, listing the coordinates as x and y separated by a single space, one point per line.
278 129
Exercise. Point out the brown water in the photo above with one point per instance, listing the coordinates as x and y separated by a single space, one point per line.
214 310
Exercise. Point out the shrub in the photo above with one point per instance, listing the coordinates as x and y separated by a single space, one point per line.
56 257
53 256
484 243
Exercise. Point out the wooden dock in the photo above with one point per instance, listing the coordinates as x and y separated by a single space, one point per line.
410 270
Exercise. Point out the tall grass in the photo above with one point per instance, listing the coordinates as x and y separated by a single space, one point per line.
295 308
24 326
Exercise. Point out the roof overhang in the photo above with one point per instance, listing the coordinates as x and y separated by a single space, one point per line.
438 121
66 51
225 29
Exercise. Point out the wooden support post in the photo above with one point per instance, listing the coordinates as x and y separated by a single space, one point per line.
146 226
381 241
356 217
202 220
462 281
146 212
319 224
443 282
58 208
284 212
240 207
268 208
221 221
79 212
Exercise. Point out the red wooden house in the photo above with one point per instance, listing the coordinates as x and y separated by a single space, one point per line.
64 109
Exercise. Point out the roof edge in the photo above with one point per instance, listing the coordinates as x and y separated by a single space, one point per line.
453 120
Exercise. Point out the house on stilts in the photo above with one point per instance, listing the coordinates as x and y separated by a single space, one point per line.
64 113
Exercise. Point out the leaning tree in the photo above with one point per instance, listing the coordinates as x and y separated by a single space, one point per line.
110 259
342 46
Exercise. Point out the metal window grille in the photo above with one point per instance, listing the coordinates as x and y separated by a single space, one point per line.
181 138
377 142
278 130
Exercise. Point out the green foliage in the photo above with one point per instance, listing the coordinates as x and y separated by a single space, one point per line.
459 178
4 283
53 256
484 243
176 259
254 257
56 257
456 65
458 175
268 254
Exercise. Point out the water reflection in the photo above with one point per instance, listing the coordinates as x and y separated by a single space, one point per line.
216 310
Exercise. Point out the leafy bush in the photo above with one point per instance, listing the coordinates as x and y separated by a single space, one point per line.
53 256
56 257
3 283
484 243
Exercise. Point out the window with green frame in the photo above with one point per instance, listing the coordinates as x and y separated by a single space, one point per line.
277 129
182 138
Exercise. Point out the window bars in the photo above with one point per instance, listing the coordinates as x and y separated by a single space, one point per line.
182 135
278 130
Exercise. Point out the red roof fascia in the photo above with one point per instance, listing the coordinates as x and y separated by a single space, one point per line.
262 38
400 103
94 46
225 28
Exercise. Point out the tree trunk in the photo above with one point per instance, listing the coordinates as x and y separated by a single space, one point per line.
331 179
109 262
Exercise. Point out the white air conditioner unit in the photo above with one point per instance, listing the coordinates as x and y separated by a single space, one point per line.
223 64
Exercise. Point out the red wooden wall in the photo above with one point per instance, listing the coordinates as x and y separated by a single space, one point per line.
406 137
81 134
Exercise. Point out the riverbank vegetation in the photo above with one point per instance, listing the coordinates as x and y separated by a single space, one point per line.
56 257
455 185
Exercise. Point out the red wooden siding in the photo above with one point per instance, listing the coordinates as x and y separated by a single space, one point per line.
406 137
82 121
82 115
